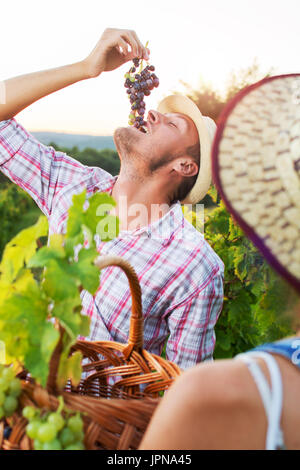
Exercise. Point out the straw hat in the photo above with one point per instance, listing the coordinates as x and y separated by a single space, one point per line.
256 168
206 129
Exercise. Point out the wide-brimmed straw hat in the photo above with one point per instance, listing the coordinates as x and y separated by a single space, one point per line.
256 168
206 129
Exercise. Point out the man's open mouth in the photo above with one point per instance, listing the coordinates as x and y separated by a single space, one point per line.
145 128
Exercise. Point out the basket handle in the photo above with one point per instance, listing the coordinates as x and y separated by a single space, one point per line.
136 328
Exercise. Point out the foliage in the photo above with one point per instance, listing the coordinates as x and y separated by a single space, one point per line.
255 298
107 159
41 285
14 204
211 101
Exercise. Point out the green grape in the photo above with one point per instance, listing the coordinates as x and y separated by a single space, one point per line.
66 437
15 387
10 405
77 446
1 412
47 432
3 384
32 429
8 374
79 436
52 445
29 412
75 424
57 420
2 397
38 445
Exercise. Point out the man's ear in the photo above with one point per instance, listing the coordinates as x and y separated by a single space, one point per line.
185 167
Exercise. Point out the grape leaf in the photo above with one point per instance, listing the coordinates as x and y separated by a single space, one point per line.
21 248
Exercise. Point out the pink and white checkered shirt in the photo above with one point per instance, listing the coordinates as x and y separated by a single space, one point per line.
180 275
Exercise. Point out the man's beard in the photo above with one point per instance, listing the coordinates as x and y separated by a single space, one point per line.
125 139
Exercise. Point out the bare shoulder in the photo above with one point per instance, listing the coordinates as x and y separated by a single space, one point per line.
211 406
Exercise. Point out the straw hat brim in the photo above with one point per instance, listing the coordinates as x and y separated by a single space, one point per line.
256 168
183 105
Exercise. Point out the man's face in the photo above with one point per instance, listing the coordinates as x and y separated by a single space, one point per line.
167 135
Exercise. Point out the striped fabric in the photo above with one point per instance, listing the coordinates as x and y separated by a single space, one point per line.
180 275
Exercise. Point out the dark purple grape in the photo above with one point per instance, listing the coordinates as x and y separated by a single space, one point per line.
142 85
7 432
150 84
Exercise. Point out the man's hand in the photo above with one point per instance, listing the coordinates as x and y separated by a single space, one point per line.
112 50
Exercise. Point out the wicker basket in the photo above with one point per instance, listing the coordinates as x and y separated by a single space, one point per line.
116 415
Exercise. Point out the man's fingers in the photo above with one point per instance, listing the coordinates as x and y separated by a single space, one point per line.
129 37
143 50
123 46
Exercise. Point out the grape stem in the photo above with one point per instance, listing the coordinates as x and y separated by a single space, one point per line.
141 66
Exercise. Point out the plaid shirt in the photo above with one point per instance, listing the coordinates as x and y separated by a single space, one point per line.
180 275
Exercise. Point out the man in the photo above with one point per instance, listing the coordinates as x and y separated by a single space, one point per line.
180 275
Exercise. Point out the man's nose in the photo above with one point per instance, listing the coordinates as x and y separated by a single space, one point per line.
154 116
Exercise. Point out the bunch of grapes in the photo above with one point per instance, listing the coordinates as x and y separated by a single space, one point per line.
10 389
51 431
139 84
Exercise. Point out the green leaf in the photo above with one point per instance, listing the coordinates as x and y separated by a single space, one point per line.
58 283
65 311
21 248
69 368
43 256
224 340
75 217
38 357
213 193
86 270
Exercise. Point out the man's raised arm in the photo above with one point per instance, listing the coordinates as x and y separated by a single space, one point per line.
39 169
110 52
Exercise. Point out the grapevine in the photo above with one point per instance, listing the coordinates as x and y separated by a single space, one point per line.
139 84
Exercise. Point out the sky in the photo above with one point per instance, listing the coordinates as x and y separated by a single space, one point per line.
190 41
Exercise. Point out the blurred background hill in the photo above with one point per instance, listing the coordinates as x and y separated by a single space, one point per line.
81 141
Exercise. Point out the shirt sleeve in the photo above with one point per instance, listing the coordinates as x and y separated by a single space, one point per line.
191 325
38 169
